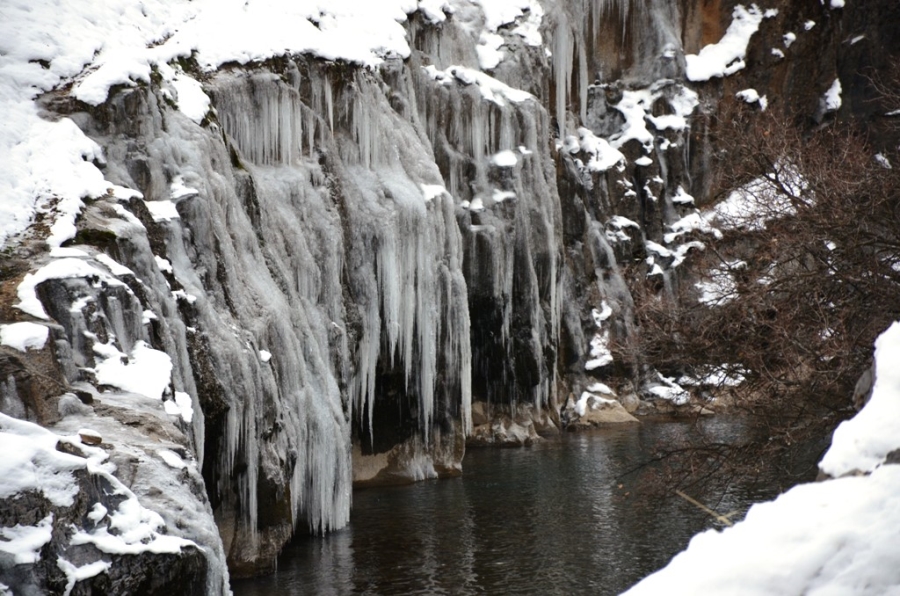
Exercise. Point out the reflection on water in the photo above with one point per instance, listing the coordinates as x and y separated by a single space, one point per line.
550 519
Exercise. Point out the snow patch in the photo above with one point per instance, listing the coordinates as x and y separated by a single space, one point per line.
24 543
862 443
491 89
752 96
145 372
24 336
162 210
504 159
59 269
727 56
831 101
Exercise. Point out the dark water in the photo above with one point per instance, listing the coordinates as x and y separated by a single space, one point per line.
550 519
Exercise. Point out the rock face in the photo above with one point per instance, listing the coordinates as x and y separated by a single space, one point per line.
313 280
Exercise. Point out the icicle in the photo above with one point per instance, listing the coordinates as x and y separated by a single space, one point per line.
562 73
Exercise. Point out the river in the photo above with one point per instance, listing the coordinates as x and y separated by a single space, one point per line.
556 518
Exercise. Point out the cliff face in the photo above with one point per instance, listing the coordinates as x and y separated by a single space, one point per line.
315 273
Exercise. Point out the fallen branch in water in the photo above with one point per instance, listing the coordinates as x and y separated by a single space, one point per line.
721 518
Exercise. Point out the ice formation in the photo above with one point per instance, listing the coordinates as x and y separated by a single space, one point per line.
302 233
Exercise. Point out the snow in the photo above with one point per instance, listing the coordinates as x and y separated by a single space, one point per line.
24 543
145 372
600 388
883 161
832 98
808 25
136 531
189 95
164 265
114 266
690 223
834 537
77 574
488 49
24 336
681 197
59 269
265 356
526 13
723 375
31 462
777 53
727 56
603 155
433 10
498 196
760 200
600 352
491 89
620 221
862 443
669 390
601 315
636 107
590 401
172 459
837 3
789 38
504 159
181 405
162 210
752 96
719 287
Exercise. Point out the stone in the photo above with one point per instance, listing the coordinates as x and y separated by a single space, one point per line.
90 437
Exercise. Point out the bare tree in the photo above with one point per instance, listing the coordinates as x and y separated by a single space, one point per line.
813 272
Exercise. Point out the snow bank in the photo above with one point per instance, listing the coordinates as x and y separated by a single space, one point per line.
833 537
861 444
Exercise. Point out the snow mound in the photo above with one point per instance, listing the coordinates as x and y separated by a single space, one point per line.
862 443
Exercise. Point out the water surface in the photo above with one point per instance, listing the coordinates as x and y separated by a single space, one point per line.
555 518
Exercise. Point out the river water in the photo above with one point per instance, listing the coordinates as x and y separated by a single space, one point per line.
561 517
